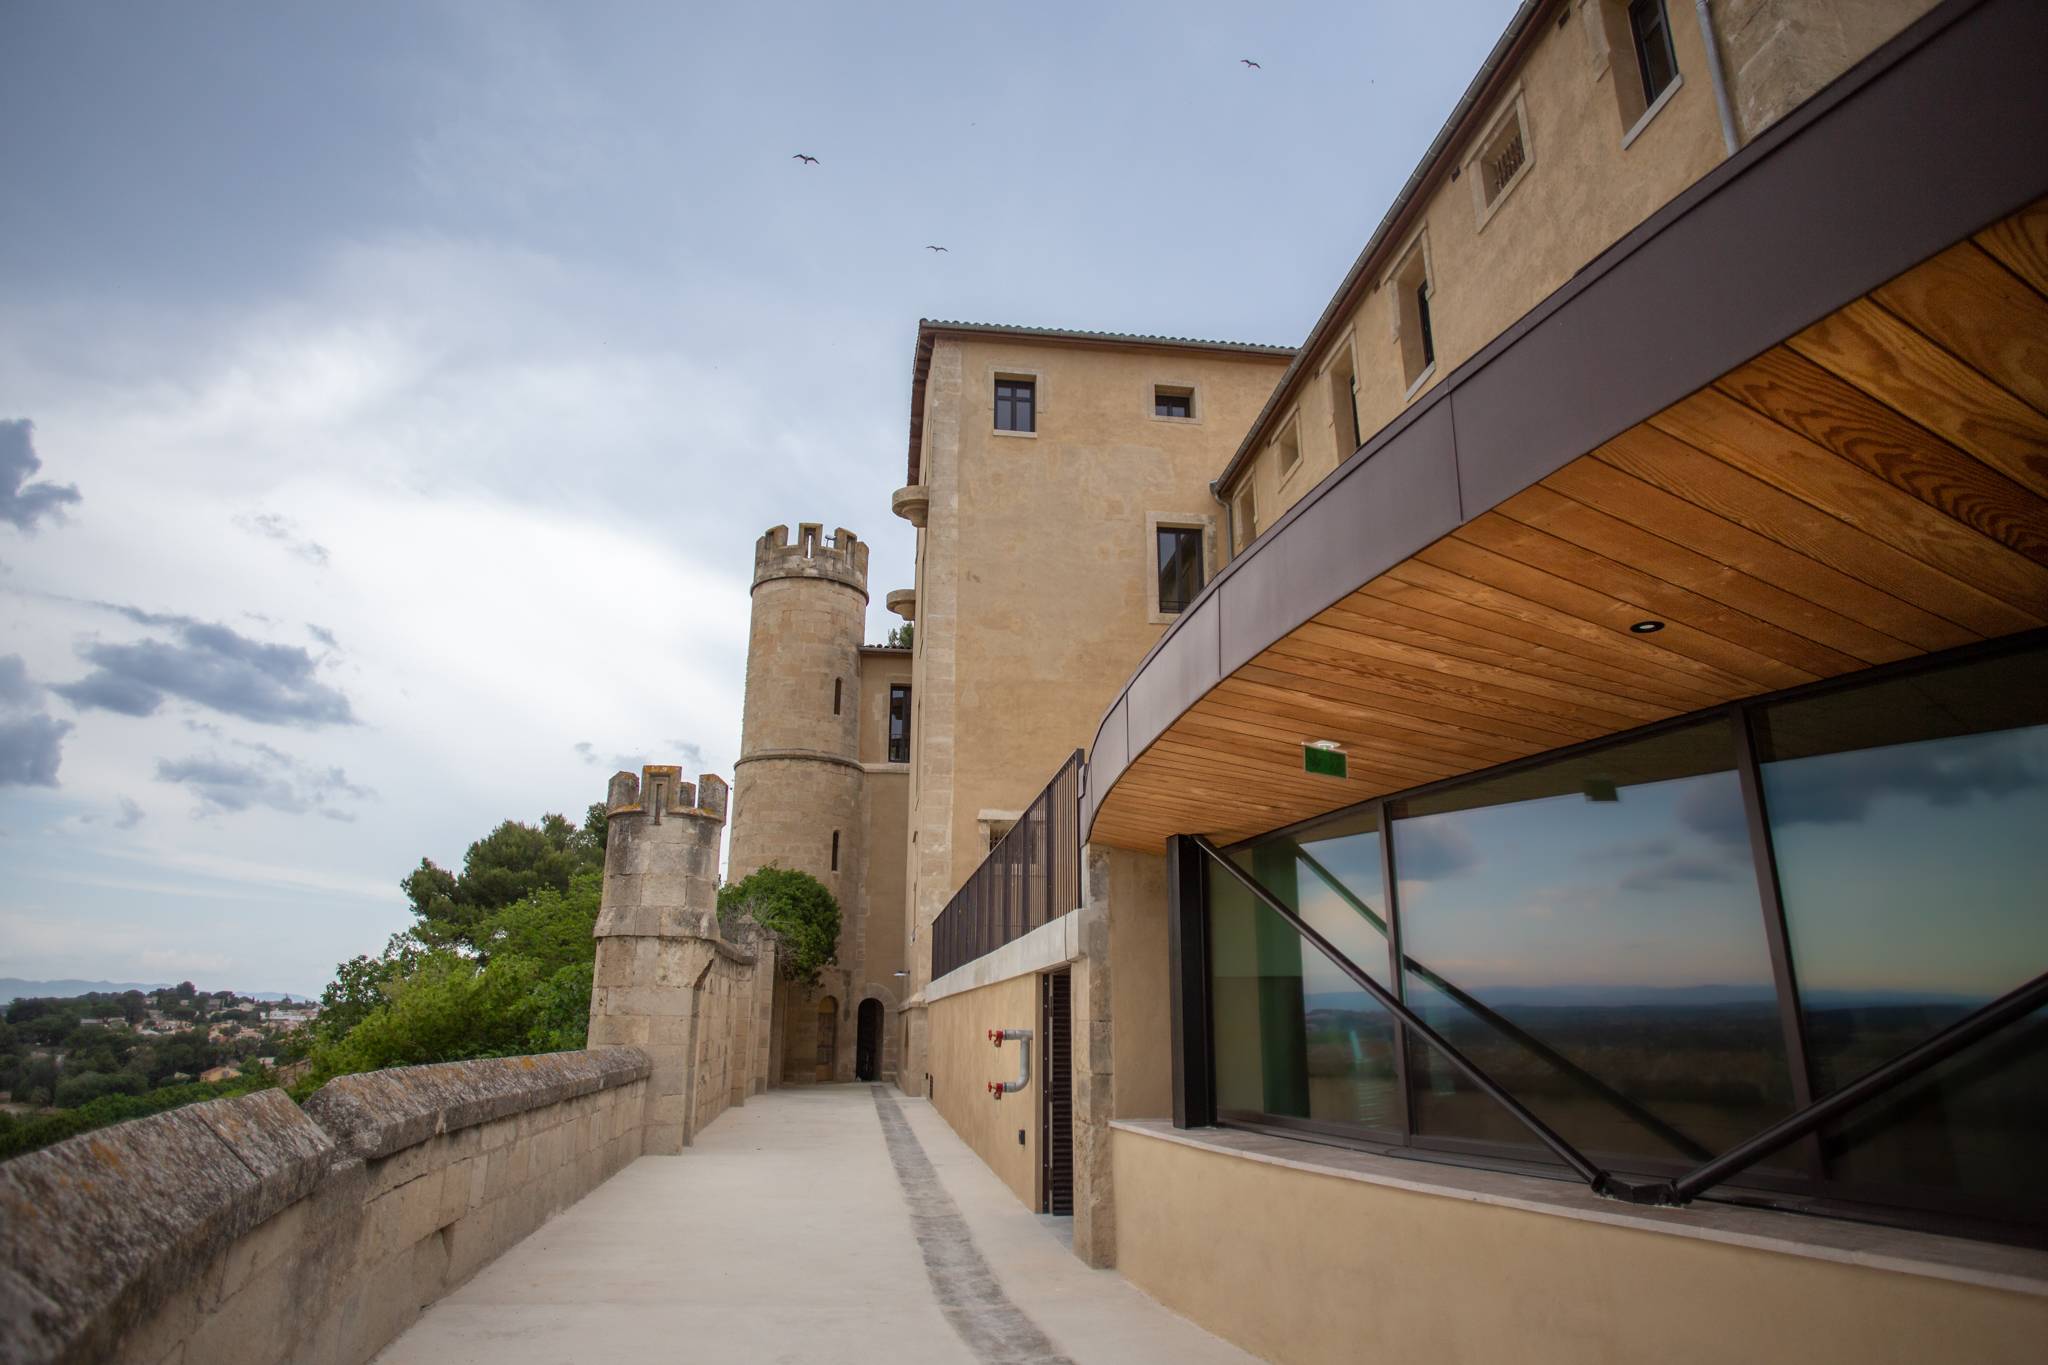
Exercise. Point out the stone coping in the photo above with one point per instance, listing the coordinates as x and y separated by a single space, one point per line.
95 1231
1988 1264
1047 946
377 1113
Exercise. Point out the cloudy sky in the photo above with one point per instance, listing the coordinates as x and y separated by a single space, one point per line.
390 394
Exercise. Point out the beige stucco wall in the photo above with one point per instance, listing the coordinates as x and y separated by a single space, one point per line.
1346 1271
1033 569
962 1062
1583 191
1779 53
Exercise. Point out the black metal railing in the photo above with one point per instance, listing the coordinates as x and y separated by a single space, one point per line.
2013 1005
1031 877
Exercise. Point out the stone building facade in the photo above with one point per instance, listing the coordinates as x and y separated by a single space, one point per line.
815 791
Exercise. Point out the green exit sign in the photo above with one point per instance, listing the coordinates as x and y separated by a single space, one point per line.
1323 762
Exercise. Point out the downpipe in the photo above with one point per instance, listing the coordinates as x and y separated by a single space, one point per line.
998 1089
1717 77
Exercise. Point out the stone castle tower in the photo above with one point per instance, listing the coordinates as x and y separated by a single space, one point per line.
797 787
666 979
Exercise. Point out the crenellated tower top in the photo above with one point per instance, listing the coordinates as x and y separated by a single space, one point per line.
841 559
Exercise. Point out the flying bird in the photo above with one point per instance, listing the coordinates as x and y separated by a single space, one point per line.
807 160
929 247
1250 63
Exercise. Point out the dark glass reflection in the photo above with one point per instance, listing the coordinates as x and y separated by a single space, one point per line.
1180 567
1295 1036
1589 933
1908 822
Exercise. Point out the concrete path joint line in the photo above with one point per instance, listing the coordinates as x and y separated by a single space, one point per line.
969 1294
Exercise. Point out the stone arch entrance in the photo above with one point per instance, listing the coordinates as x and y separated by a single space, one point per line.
867 1044
828 1036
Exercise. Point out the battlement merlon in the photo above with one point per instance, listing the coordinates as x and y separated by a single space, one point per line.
842 558
659 792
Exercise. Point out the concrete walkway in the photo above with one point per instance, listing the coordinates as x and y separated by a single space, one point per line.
829 1223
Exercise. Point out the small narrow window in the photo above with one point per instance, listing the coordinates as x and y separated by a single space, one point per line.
1412 294
1344 403
1016 405
899 723
1289 449
1168 401
1650 30
1180 567
1244 521
1428 335
837 685
835 850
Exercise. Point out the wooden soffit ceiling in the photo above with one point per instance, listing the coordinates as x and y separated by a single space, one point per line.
1873 488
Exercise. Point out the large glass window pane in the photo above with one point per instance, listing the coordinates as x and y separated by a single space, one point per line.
1589 933
1910 825
1295 1036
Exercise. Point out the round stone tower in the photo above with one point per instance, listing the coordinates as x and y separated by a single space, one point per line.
797 784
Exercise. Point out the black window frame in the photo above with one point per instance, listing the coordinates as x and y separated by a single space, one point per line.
1649 31
899 735
1165 396
1016 400
1183 536
1811 1191
1422 316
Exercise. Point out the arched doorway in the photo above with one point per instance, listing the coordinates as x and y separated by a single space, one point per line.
828 1036
867 1043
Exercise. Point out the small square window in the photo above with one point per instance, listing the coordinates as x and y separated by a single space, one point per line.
1180 567
1288 449
1502 157
1168 401
1016 405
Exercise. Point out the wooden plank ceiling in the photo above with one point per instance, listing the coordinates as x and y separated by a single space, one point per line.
1874 488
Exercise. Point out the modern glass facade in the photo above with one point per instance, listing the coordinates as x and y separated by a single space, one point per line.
1666 942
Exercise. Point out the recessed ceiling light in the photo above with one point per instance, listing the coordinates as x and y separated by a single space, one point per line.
1325 744
1646 627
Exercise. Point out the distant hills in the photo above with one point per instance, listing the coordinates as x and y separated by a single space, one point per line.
14 988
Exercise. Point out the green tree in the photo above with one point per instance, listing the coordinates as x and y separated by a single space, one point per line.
513 861
359 985
795 907
902 636
447 1008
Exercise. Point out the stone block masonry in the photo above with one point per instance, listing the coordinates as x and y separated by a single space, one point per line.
666 979
251 1230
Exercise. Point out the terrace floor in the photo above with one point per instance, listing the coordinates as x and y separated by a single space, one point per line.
826 1223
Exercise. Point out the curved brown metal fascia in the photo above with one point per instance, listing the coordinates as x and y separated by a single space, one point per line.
1938 133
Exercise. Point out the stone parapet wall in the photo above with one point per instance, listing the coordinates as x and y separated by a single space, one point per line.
252 1230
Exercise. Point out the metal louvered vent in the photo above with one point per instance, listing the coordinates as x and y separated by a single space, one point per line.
1056 1133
